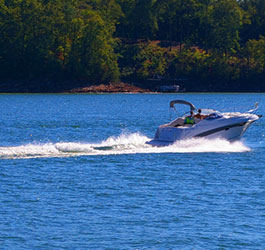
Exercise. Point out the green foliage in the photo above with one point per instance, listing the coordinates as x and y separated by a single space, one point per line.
57 39
93 46
23 37
192 63
179 20
95 40
142 60
150 61
139 20
255 50
227 20
255 12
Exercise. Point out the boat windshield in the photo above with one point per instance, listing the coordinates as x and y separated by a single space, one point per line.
211 113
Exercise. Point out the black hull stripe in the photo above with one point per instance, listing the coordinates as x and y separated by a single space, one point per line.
209 132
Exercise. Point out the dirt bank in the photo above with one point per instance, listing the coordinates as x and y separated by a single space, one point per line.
110 88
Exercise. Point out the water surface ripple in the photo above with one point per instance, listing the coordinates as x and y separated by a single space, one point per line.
75 173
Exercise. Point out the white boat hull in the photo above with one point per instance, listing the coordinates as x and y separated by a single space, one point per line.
231 129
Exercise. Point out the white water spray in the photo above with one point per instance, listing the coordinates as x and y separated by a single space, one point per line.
123 144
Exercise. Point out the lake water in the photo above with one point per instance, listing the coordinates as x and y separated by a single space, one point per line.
75 173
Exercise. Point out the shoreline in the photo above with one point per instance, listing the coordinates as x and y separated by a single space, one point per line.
79 87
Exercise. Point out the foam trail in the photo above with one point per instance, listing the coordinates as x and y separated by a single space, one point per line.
123 144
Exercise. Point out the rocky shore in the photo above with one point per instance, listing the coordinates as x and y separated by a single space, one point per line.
110 88
43 86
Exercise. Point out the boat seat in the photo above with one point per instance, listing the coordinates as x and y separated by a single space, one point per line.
187 125
180 122
177 122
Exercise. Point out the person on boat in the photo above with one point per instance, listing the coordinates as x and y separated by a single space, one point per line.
199 115
190 119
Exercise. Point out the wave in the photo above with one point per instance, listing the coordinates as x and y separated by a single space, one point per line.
123 144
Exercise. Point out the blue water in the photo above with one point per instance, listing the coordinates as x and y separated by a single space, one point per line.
75 173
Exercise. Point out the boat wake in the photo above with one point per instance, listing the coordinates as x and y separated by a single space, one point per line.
123 144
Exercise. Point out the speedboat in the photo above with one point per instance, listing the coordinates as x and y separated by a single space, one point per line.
208 123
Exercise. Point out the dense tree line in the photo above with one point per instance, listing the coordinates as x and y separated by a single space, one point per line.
108 40
58 39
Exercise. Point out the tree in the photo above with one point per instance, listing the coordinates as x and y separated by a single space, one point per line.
179 20
139 20
53 37
255 11
255 50
92 55
24 38
225 26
